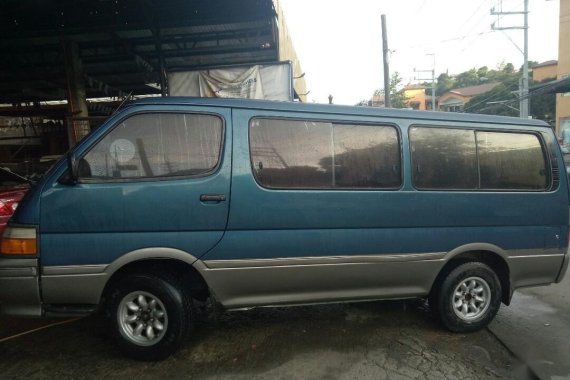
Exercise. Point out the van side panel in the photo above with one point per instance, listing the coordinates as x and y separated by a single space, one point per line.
403 234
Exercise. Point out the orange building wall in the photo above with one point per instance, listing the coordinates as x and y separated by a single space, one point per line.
545 72
416 95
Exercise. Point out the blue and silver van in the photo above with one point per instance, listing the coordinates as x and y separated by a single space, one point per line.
255 203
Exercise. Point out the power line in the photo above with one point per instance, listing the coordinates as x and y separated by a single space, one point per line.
471 17
539 92
524 103
448 40
492 97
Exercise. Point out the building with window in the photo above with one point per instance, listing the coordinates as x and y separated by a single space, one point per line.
454 100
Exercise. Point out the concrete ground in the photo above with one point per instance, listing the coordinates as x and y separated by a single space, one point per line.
378 340
536 327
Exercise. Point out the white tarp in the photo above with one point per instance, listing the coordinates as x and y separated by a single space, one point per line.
271 82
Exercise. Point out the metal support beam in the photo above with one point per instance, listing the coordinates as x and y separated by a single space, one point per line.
162 65
96 84
140 61
76 93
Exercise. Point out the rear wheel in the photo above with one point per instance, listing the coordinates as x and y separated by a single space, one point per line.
468 298
149 315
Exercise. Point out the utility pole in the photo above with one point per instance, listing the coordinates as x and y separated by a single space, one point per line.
433 84
432 71
385 52
523 97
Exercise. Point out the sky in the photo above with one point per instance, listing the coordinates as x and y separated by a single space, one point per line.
339 42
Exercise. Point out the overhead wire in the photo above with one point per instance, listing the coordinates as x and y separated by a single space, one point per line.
489 98
517 99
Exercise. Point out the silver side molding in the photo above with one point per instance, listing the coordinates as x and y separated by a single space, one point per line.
321 260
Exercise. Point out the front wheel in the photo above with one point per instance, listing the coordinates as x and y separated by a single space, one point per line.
468 298
149 316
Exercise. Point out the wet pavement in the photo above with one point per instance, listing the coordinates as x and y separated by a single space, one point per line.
377 340
536 327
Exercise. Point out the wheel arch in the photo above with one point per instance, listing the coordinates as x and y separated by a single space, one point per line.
157 260
489 254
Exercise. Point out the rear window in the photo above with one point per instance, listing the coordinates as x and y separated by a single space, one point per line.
461 159
511 161
309 154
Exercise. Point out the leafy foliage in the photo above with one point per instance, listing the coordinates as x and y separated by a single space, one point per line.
397 96
499 101
502 100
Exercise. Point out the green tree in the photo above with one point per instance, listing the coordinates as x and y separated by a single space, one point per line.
505 73
482 73
397 96
498 101
543 106
503 99
467 78
508 68
444 84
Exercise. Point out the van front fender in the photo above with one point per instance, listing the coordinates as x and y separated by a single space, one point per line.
84 284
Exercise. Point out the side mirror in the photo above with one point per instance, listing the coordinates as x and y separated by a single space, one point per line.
71 177
73 167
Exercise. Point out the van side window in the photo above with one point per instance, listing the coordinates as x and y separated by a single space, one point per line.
154 145
462 159
309 154
511 161
443 158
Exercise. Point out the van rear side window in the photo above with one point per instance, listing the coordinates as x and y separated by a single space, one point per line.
511 161
443 158
461 159
309 154
154 145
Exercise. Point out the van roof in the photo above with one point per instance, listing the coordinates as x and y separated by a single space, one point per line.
337 109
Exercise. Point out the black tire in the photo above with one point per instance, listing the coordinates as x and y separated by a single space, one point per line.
464 311
167 305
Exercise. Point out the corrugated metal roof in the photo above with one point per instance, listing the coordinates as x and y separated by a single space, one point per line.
121 42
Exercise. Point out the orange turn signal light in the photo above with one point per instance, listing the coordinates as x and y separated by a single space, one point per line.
19 241
18 247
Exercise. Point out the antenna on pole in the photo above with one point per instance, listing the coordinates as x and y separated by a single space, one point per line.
523 97
432 72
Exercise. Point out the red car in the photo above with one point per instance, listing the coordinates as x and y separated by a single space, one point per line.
12 190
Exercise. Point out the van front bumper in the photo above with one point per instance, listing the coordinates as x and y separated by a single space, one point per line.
19 287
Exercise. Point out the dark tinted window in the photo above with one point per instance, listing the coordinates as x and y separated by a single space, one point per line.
511 161
366 156
156 145
443 158
288 153
317 155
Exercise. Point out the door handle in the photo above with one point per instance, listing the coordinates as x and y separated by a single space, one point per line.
212 198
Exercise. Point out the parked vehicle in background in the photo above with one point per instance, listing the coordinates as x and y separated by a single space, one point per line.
12 189
257 203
